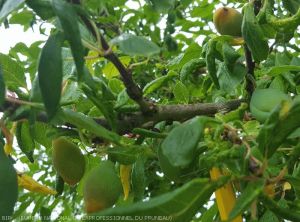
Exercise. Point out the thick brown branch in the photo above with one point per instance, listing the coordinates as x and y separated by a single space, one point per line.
133 90
171 113
127 122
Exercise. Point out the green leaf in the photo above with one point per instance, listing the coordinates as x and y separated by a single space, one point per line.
42 8
237 114
84 122
138 179
8 7
268 216
13 72
50 73
209 214
110 71
8 185
295 134
179 205
192 52
253 34
116 85
179 147
162 6
230 55
40 134
23 18
181 93
71 93
69 21
277 70
155 84
284 213
191 67
122 99
2 87
59 185
204 10
278 83
45 214
25 140
292 5
148 133
251 192
135 45
124 155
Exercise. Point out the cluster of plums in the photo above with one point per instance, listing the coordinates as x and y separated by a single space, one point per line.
102 185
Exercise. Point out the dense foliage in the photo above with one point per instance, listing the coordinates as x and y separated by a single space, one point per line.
151 91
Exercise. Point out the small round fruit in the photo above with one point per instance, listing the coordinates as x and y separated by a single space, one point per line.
102 187
263 101
68 160
228 21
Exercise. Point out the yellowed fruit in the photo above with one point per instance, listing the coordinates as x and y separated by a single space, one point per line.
68 160
102 187
228 21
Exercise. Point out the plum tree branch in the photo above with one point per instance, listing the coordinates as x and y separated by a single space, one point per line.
250 78
133 90
127 122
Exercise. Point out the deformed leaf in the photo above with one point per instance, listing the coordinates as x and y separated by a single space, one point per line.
211 62
181 93
228 80
135 45
230 55
280 124
125 176
155 84
30 184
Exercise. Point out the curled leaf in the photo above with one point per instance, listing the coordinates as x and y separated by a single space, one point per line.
125 172
30 184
